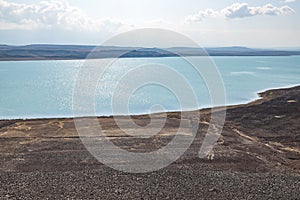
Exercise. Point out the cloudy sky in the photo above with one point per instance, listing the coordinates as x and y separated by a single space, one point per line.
253 23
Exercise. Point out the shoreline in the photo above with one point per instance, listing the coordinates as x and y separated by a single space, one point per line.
66 52
258 94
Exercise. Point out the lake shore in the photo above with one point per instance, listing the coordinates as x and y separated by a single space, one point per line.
80 52
257 156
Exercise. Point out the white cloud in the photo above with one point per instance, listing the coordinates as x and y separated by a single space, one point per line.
288 1
241 10
203 14
50 14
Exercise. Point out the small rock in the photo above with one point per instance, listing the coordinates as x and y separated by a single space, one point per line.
213 190
279 116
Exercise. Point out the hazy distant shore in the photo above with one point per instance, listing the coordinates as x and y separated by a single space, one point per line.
258 154
74 52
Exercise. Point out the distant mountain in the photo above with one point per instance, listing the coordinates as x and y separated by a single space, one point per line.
48 52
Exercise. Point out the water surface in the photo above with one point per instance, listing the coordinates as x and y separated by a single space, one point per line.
44 89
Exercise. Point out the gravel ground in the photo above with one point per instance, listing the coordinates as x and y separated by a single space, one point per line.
192 183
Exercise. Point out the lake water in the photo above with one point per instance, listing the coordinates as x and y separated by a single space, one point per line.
44 89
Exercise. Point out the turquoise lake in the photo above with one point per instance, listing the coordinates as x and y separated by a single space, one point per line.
44 89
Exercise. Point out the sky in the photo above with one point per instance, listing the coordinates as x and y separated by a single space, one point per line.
252 23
